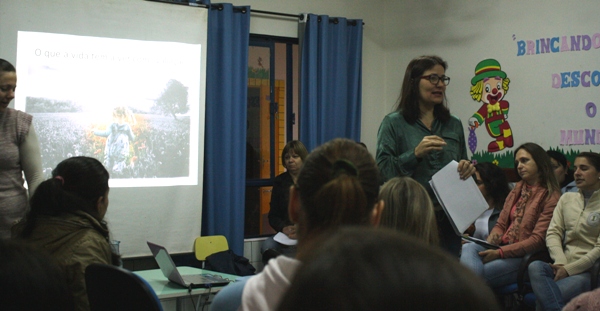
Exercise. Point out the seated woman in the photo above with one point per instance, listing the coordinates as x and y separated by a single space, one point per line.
494 187
66 220
292 156
338 185
573 240
381 269
408 209
522 224
564 175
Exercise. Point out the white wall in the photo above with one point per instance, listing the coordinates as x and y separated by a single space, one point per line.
464 32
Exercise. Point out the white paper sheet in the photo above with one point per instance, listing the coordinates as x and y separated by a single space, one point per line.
461 199
280 237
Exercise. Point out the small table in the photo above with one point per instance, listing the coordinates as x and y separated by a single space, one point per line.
166 290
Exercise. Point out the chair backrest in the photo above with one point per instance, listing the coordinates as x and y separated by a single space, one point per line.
205 246
111 288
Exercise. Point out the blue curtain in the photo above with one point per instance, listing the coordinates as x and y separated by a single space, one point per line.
330 80
225 136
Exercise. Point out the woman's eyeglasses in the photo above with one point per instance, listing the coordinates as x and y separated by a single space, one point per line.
435 79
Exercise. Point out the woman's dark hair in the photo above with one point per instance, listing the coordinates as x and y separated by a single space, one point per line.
562 160
408 102
5 66
76 185
338 185
297 147
592 157
31 280
495 182
381 269
547 178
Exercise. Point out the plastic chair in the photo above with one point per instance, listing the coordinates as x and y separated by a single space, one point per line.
111 288
205 246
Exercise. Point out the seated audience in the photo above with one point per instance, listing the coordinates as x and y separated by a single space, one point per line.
564 175
573 240
66 220
380 269
292 156
494 187
338 185
408 209
522 224
30 280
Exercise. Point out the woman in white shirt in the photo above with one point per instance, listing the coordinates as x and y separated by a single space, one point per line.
573 240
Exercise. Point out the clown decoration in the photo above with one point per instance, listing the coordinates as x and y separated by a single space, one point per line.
489 86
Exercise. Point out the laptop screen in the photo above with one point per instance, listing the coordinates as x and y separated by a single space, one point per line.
165 263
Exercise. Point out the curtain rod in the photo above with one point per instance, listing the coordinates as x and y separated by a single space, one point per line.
298 16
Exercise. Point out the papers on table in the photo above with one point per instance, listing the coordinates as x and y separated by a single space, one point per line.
280 237
461 199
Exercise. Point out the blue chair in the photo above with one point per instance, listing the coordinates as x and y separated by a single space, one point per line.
519 296
111 288
524 298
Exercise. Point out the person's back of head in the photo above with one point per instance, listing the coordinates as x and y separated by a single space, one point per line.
409 209
382 269
76 185
30 280
338 185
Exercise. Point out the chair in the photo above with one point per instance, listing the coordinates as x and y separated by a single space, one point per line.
111 288
525 296
205 246
518 296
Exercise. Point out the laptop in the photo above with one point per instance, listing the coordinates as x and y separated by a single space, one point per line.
168 268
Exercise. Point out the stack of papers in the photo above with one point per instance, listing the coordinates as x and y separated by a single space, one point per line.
461 199
284 239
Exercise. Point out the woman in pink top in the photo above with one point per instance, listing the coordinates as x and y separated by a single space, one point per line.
523 222
19 153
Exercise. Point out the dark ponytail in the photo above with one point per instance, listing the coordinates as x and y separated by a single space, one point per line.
76 185
338 183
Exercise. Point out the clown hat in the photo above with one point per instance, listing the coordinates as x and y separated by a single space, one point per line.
487 68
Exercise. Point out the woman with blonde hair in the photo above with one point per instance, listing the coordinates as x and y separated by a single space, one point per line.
408 209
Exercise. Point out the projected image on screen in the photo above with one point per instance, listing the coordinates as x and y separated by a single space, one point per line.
131 104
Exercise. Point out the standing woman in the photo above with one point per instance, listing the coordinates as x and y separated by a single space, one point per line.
19 153
66 220
522 224
421 136
573 240
292 157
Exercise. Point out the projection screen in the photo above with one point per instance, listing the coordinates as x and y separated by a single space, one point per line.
122 81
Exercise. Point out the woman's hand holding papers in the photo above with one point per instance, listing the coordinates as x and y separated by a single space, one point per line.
290 231
466 169
491 254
